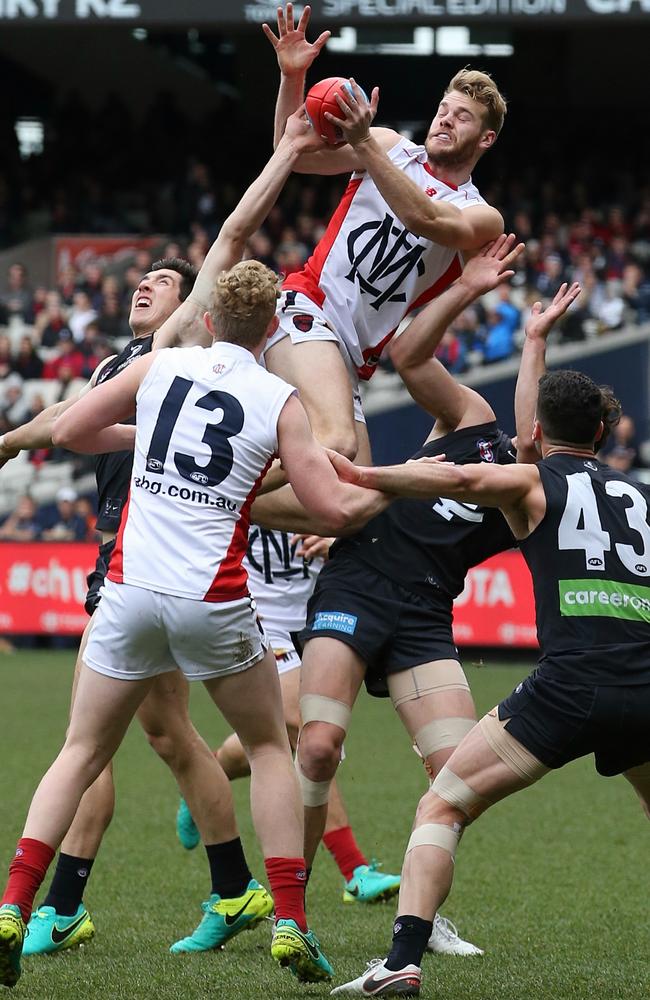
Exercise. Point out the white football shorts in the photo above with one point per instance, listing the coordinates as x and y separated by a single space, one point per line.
140 633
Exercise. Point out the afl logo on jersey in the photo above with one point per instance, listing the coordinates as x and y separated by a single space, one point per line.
154 465
303 322
200 477
595 561
485 451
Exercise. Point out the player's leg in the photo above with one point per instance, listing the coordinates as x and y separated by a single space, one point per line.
331 676
62 921
434 703
164 717
276 807
316 367
103 709
487 766
639 778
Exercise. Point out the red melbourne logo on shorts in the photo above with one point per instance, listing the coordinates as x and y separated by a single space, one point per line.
430 192
303 322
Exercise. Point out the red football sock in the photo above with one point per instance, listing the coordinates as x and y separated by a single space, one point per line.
345 850
26 872
288 878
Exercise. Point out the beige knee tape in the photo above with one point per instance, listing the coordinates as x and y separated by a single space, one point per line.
318 708
442 734
314 793
517 757
428 678
435 835
457 793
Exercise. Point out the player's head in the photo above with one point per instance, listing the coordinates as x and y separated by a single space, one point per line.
243 305
572 410
468 120
159 293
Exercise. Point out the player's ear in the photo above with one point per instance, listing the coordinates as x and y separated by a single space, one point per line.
487 139
272 327
207 319
600 431
537 430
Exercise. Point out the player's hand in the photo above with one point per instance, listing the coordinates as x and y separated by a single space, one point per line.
491 266
540 322
6 453
312 546
300 133
357 114
346 470
295 54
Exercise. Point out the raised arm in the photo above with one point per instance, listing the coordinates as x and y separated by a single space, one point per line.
533 365
438 221
334 506
185 325
92 426
412 353
38 432
295 55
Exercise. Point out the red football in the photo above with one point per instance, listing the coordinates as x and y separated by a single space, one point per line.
322 98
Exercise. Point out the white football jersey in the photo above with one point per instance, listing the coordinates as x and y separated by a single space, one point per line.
280 581
206 433
368 271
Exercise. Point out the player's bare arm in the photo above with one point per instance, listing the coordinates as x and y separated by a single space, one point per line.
38 432
412 353
438 221
295 55
185 326
515 489
335 506
92 425
533 365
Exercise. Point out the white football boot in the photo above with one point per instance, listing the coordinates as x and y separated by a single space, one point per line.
378 981
444 939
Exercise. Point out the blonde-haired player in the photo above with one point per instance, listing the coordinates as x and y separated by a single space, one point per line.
395 241
208 425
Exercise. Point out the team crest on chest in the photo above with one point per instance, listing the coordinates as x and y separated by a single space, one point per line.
485 451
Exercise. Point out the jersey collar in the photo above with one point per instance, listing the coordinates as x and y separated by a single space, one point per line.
222 348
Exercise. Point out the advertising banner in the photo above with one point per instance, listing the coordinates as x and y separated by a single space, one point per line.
43 586
219 13
103 250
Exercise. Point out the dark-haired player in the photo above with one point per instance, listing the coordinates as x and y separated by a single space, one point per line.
584 531
382 608
167 308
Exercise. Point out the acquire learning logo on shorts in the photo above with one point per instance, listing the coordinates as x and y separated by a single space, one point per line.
339 621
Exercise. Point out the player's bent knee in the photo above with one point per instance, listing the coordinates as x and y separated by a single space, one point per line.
318 708
426 679
458 794
319 750
442 734
520 760
436 835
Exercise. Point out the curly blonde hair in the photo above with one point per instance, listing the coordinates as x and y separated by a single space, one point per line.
244 302
480 87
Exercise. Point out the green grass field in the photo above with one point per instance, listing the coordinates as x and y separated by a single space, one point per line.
553 883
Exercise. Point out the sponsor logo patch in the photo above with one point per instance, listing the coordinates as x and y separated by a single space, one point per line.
604 599
338 621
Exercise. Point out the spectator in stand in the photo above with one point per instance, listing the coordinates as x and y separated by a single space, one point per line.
22 525
621 451
450 353
112 320
68 363
91 284
81 314
89 347
18 298
6 360
616 257
550 277
14 405
67 284
67 526
27 362
35 405
51 320
497 339
84 509
612 309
